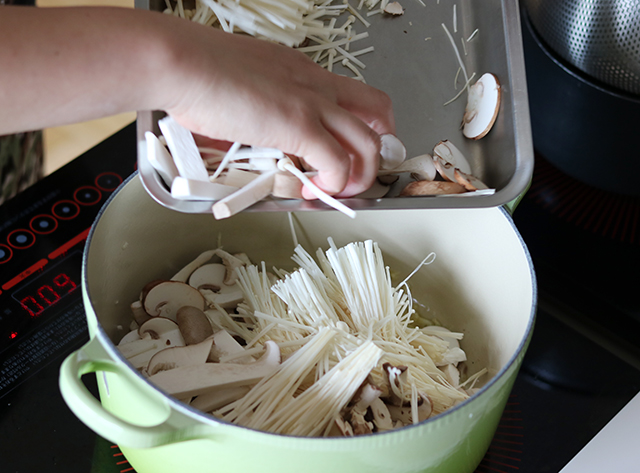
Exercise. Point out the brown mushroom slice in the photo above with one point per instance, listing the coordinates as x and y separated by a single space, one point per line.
420 167
138 312
381 415
392 152
421 188
194 325
483 104
219 398
166 298
228 297
449 153
199 379
471 183
175 357
208 276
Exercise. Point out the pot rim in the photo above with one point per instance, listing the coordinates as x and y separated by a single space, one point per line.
112 350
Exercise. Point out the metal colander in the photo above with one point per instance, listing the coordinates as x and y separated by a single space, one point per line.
599 37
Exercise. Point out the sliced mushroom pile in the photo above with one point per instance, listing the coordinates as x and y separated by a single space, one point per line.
228 337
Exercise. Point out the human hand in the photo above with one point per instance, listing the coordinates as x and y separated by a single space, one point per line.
237 88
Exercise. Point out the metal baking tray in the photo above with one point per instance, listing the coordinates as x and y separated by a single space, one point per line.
415 63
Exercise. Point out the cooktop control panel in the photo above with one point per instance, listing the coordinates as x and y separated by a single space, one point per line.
42 236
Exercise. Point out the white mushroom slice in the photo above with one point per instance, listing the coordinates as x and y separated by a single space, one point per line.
377 191
185 272
139 352
167 297
219 398
421 167
471 183
129 337
224 345
191 189
452 356
394 8
160 159
228 298
245 197
158 327
452 155
418 188
208 276
194 325
183 150
231 263
482 108
341 428
392 152
175 357
244 258
381 415
199 379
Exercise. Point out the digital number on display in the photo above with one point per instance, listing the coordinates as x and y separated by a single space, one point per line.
51 286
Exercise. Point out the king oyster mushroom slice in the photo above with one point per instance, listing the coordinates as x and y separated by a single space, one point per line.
195 380
175 357
129 337
165 298
449 153
230 262
194 325
225 346
215 400
482 108
451 374
139 314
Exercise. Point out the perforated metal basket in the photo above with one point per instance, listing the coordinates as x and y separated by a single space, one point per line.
599 37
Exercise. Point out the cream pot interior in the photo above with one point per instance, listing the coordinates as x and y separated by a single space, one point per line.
481 283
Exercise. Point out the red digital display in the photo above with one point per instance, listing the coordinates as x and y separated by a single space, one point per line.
50 286
48 294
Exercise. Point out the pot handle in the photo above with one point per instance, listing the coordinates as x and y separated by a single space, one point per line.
176 428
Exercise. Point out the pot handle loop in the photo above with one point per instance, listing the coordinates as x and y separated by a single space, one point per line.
176 428
511 206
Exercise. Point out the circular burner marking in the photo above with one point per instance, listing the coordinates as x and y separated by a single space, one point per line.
21 239
87 195
108 181
5 253
43 224
65 209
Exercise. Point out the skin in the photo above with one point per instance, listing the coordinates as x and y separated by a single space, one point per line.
65 65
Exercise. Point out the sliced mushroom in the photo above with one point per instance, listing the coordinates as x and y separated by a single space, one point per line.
377 191
471 183
381 415
417 188
392 151
166 298
129 337
482 107
341 428
208 276
451 374
394 8
161 327
448 152
175 357
421 167
228 298
194 325
199 379
231 263
185 272
190 189
139 314
155 335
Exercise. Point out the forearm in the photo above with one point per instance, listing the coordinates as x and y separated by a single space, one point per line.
64 65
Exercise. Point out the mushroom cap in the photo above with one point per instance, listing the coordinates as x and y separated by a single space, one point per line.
449 153
194 325
173 357
166 298
482 108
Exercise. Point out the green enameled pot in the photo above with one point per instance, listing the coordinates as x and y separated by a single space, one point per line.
482 283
